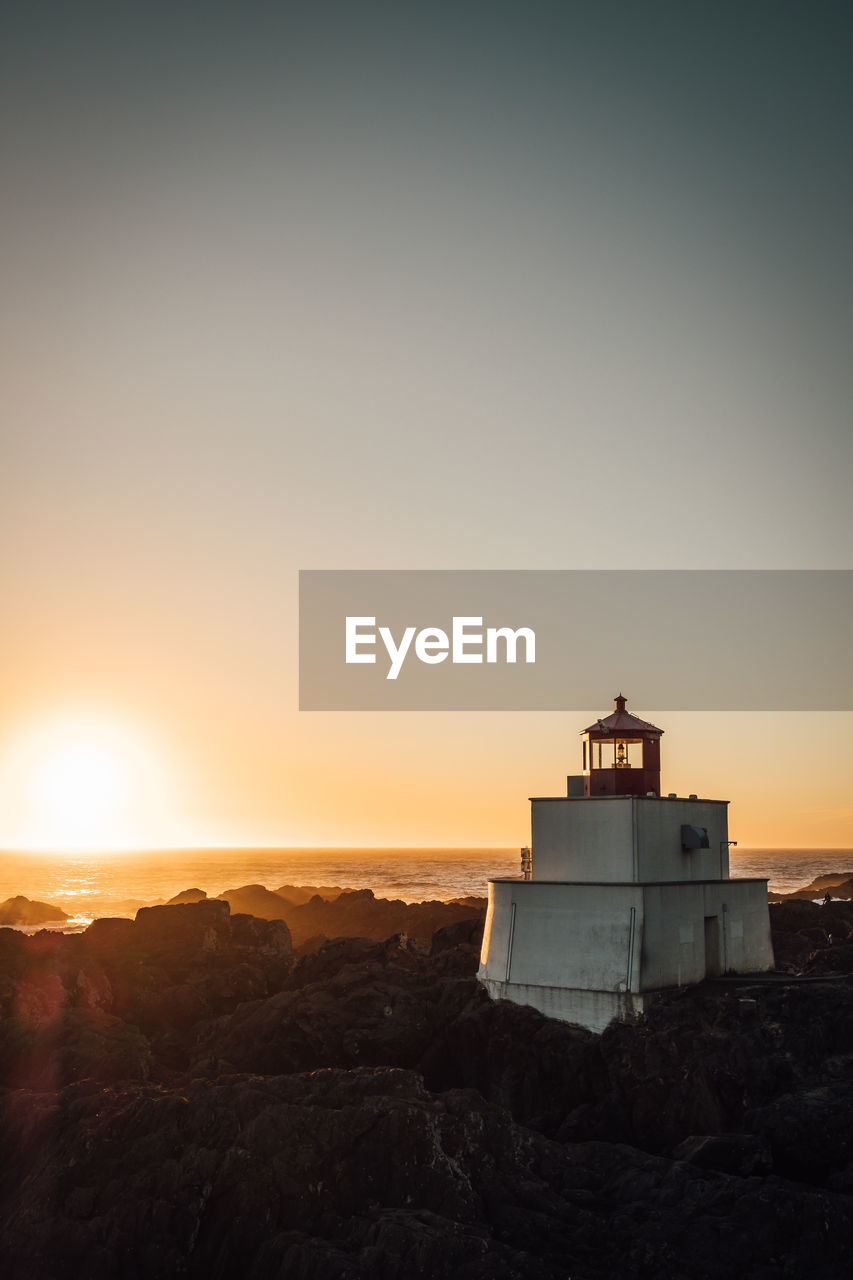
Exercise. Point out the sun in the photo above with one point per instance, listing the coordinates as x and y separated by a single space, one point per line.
82 783
80 786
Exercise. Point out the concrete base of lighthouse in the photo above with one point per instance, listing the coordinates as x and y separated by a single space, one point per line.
591 952
594 1010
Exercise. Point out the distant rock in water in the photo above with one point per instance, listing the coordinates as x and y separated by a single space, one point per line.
353 913
21 910
299 893
255 900
839 884
841 888
358 914
186 895
830 878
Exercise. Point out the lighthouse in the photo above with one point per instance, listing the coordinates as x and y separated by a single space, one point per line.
627 893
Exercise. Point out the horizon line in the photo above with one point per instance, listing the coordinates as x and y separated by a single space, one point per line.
355 848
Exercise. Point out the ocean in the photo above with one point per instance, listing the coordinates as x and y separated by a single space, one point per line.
89 885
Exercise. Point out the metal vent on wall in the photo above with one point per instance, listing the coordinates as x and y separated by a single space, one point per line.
693 838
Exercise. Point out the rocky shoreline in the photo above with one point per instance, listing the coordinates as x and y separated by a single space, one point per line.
311 912
188 1094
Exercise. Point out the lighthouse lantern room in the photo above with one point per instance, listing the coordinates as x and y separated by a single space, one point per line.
621 755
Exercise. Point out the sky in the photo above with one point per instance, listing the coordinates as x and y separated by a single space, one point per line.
355 285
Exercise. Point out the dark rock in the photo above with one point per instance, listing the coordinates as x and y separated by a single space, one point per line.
830 878
198 929
831 959
15 948
792 915
296 894
187 895
396 1121
310 945
743 1154
365 1174
108 934
461 961
353 1002
791 952
809 1132
350 954
539 1069
715 1064
255 900
266 937
311 912
800 929
159 977
467 932
22 911
359 914
839 884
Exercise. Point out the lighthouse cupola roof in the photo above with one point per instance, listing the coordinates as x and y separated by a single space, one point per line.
621 721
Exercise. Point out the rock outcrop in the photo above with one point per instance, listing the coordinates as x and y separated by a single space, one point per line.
358 913
838 884
803 930
299 893
124 994
255 900
330 913
186 896
22 911
365 1173
181 1096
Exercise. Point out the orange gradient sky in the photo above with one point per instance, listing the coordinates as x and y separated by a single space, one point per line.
424 292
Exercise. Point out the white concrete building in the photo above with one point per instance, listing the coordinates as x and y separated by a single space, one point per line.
628 891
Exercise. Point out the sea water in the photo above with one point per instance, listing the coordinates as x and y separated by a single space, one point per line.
97 884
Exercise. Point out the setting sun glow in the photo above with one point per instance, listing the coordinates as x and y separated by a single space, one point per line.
82 784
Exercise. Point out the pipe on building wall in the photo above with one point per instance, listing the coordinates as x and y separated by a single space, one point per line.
635 841
631 933
509 941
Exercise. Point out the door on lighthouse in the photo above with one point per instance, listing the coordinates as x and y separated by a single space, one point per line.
713 965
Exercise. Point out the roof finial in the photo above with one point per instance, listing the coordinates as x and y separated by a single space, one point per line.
620 702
